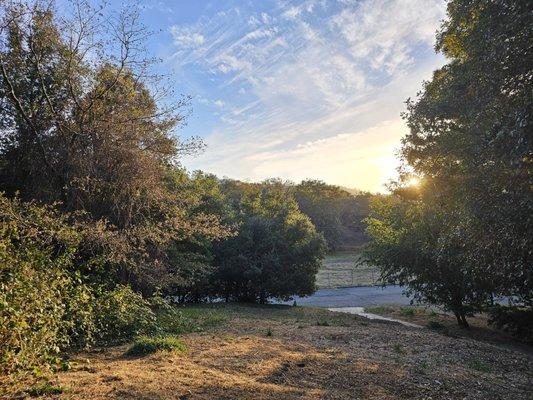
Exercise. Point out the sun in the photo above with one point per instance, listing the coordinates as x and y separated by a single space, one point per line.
413 181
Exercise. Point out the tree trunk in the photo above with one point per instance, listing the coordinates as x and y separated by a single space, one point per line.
461 318
458 317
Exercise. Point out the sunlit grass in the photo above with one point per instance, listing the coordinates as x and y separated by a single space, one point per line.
147 345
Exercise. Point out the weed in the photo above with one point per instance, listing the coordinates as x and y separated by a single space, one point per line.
478 365
422 367
407 311
147 345
435 325
45 389
398 348
269 332
380 309
322 323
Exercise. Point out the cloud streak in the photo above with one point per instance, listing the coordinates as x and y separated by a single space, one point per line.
311 88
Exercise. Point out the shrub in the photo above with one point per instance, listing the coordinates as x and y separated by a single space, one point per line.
44 306
45 389
407 311
147 345
276 253
514 320
435 325
122 314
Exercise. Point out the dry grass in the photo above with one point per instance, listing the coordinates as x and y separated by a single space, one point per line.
446 324
343 269
303 358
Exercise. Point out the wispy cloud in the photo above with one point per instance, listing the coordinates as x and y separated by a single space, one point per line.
186 38
310 88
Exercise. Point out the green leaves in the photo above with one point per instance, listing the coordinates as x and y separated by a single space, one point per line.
277 251
43 302
465 234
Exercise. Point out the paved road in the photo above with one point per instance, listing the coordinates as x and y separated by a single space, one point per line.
366 296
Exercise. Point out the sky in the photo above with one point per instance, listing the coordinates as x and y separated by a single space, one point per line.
297 89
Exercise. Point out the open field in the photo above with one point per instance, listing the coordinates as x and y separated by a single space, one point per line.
277 352
342 269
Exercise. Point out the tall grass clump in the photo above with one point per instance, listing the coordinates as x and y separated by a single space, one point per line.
146 345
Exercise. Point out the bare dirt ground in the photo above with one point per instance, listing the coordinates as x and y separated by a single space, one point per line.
303 353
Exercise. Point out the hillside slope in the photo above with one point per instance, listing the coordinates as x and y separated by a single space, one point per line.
303 353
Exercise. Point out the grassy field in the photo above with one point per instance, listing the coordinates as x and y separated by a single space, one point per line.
281 352
344 269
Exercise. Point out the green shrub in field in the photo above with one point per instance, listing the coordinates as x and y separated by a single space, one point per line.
44 306
408 311
121 315
148 345
518 321
45 389
435 325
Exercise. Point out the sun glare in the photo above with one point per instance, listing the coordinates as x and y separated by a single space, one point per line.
414 181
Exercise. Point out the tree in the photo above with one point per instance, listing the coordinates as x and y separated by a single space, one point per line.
421 245
81 124
335 212
470 144
470 132
86 133
277 251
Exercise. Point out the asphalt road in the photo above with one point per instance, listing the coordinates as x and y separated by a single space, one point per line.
364 296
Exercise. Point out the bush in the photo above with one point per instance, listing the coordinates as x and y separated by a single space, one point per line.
44 306
121 315
45 389
435 325
515 320
276 253
147 345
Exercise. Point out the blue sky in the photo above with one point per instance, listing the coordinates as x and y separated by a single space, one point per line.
297 89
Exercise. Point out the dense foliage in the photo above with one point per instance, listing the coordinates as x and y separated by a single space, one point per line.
277 251
335 212
43 305
88 162
464 235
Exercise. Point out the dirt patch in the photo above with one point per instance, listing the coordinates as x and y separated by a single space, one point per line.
287 353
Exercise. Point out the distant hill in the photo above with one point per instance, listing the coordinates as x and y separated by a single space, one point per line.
353 191
338 212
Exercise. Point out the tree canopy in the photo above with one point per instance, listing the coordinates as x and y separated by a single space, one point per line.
277 251
470 144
